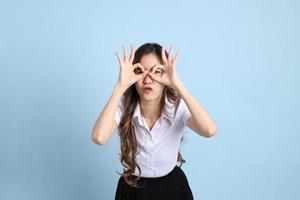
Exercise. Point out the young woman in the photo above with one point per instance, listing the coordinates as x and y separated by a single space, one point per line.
150 106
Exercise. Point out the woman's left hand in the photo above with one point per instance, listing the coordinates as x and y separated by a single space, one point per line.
169 76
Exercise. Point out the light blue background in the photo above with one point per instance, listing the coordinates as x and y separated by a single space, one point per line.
240 59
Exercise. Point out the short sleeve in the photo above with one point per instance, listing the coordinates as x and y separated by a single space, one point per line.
184 112
119 111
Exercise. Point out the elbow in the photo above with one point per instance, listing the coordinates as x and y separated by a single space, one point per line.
211 132
98 140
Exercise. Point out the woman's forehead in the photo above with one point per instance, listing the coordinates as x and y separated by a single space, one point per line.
149 61
149 68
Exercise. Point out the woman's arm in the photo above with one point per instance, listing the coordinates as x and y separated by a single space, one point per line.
200 121
105 124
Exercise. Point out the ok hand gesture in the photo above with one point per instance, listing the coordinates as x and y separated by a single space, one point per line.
127 75
169 76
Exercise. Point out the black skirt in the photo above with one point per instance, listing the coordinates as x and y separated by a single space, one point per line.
172 186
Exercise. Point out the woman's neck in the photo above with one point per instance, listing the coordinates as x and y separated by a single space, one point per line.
151 110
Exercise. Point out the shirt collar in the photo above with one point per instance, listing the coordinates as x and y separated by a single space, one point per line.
168 106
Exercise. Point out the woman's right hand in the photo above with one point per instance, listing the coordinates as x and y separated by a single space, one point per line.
129 73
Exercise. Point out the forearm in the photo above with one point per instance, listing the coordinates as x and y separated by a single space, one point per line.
103 127
201 118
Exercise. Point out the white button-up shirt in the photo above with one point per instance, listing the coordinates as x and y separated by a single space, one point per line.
159 146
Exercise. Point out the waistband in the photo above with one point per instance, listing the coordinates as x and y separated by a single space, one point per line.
171 173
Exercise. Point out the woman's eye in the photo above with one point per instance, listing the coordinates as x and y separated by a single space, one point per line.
138 70
159 73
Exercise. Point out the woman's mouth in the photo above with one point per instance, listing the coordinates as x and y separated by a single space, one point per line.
147 90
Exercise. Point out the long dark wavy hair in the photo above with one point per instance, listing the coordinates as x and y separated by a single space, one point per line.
128 140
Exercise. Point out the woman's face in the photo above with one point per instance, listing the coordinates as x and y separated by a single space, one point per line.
149 61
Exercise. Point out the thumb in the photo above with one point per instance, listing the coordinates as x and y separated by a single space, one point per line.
157 78
142 75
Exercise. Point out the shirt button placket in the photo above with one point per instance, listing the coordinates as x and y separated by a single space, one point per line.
149 148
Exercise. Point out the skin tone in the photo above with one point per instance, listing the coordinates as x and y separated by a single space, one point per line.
161 75
153 74
149 63
150 102
200 121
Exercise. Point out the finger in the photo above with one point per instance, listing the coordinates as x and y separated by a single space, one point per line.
157 70
125 52
170 54
138 68
119 59
157 78
139 65
153 70
175 58
138 77
159 66
132 53
163 54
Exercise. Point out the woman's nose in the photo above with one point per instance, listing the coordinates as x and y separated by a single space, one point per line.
147 78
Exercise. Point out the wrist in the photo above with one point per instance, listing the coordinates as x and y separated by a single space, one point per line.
118 88
178 85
